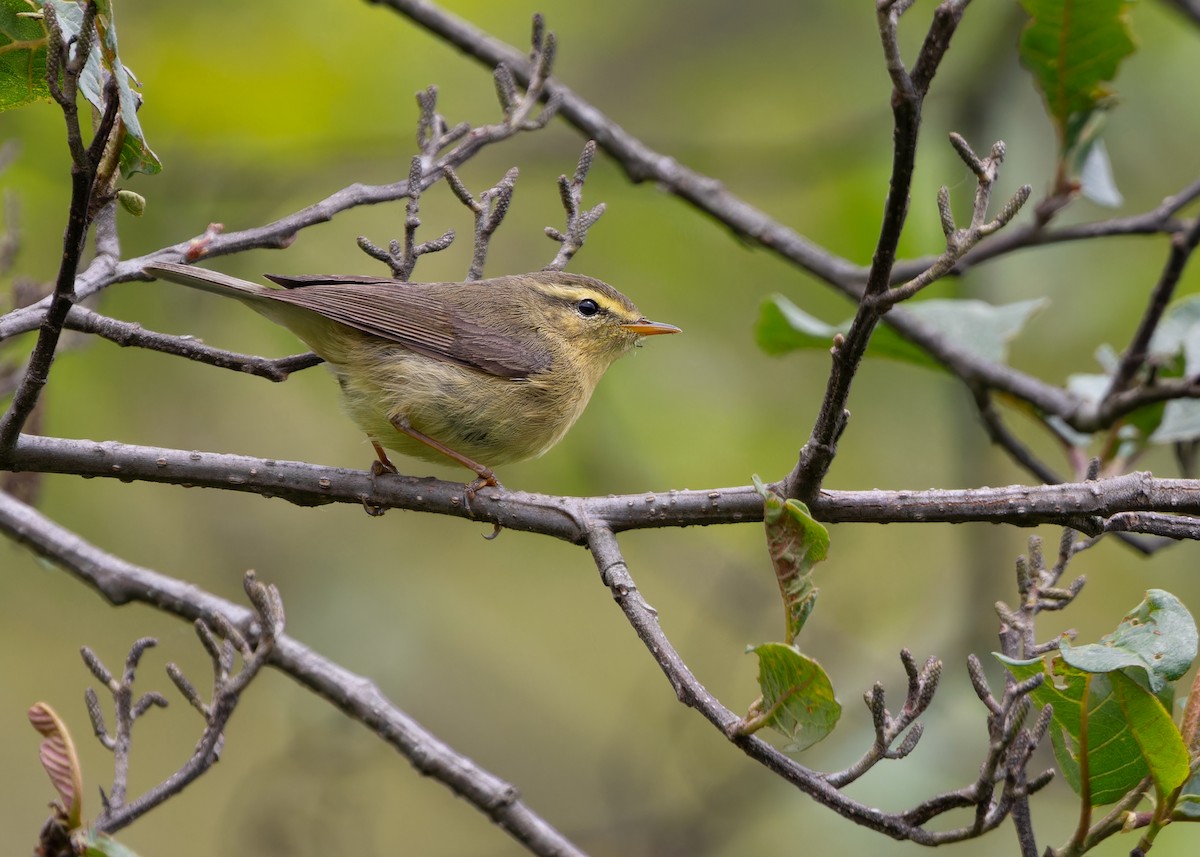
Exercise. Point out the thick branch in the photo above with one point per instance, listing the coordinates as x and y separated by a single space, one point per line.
1135 502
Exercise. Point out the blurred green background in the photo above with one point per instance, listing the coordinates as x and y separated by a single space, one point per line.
511 651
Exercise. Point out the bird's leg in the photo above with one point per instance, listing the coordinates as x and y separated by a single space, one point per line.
383 464
380 466
485 474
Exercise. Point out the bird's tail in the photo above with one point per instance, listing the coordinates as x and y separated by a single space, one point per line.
209 281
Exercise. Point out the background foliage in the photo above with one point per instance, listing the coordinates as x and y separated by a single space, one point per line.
510 650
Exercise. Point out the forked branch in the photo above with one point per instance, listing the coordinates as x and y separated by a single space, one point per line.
960 241
579 221
489 211
224 644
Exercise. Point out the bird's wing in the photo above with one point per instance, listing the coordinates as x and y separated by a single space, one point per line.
412 315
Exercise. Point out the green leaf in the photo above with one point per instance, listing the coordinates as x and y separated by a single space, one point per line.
1089 387
796 543
22 56
782 327
1096 177
1158 739
979 327
1175 351
136 156
1084 704
1073 48
797 696
1158 638
1108 701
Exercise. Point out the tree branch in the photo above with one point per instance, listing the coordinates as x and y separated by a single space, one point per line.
65 61
908 95
1182 247
614 573
120 582
1134 502
130 335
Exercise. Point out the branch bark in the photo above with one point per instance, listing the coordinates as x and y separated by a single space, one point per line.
1134 502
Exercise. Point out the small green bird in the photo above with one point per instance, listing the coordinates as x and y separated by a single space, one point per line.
491 371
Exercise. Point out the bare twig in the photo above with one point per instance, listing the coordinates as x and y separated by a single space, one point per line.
126 710
519 106
908 94
922 683
1000 435
130 335
64 64
227 688
1010 749
1039 591
403 258
1182 248
578 220
489 211
960 241
434 135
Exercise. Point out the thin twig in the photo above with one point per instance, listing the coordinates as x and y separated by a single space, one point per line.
579 221
402 258
66 62
488 210
130 335
908 94
434 135
1182 247
1000 435
922 683
960 241
228 686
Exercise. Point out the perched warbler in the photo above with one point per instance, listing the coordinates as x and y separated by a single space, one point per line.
484 372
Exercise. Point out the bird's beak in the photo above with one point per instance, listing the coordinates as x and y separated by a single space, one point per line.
642 327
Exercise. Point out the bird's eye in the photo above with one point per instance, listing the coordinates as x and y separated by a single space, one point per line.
587 307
